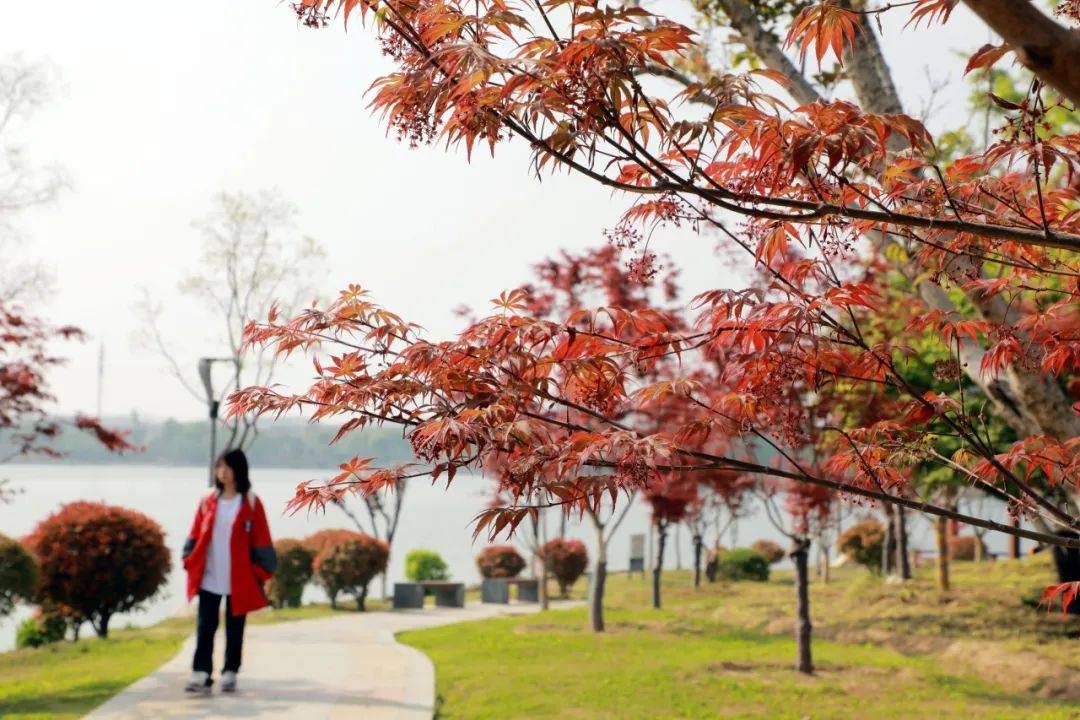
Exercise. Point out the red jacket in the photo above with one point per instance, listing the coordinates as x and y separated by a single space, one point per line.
252 557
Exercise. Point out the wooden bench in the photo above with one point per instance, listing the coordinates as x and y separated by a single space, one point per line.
411 595
497 590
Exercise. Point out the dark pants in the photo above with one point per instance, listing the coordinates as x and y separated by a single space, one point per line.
209 608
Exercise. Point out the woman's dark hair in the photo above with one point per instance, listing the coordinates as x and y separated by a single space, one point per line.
237 462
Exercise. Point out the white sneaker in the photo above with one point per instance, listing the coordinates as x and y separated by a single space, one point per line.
199 683
228 681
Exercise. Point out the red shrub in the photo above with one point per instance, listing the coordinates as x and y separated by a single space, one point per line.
566 560
318 541
347 562
500 561
96 560
863 542
772 552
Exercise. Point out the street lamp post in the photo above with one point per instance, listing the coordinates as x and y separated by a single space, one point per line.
205 364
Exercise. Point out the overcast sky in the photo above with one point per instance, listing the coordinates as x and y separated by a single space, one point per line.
164 104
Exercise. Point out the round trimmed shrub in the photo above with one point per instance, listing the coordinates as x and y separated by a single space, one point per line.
566 560
500 561
96 560
962 547
18 574
863 543
421 565
772 551
45 627
740 564
348 566
294 571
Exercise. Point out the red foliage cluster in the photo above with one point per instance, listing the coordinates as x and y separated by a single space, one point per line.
563 399
566 560
500 561
25 362
96 560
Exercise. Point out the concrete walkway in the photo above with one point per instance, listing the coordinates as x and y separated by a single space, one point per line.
345 666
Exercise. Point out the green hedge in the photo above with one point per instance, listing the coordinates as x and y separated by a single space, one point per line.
739 564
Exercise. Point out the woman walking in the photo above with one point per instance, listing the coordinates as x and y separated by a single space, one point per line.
228 554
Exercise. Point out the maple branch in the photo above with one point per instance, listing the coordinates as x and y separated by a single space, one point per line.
722 463
1048 49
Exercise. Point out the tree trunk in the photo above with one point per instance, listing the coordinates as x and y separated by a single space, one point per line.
545 601
101 627
361 598
596 586
826 570
743 18
699 545
1048 49
1030 402
941 537
333 601
678 546
803 628
1067 564
903 562
980 549
888 544
1014 541
661 541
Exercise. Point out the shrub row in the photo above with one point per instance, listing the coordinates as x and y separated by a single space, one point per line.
341 562
565 559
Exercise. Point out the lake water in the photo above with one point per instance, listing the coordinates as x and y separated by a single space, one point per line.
433 517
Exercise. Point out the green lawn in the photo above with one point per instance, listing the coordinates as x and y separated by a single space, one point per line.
720 651
725 652
67 680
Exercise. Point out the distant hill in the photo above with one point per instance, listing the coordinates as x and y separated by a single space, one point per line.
285 444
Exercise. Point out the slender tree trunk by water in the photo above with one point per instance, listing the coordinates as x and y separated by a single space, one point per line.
596 593
888 545
903 563
678 546
980 549
803 628
699 544
1014 544
825 561
661 540
941 538
545 601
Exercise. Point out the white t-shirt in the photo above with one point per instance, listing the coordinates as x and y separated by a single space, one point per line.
216 576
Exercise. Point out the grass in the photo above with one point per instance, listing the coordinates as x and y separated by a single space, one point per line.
725 651
67 680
